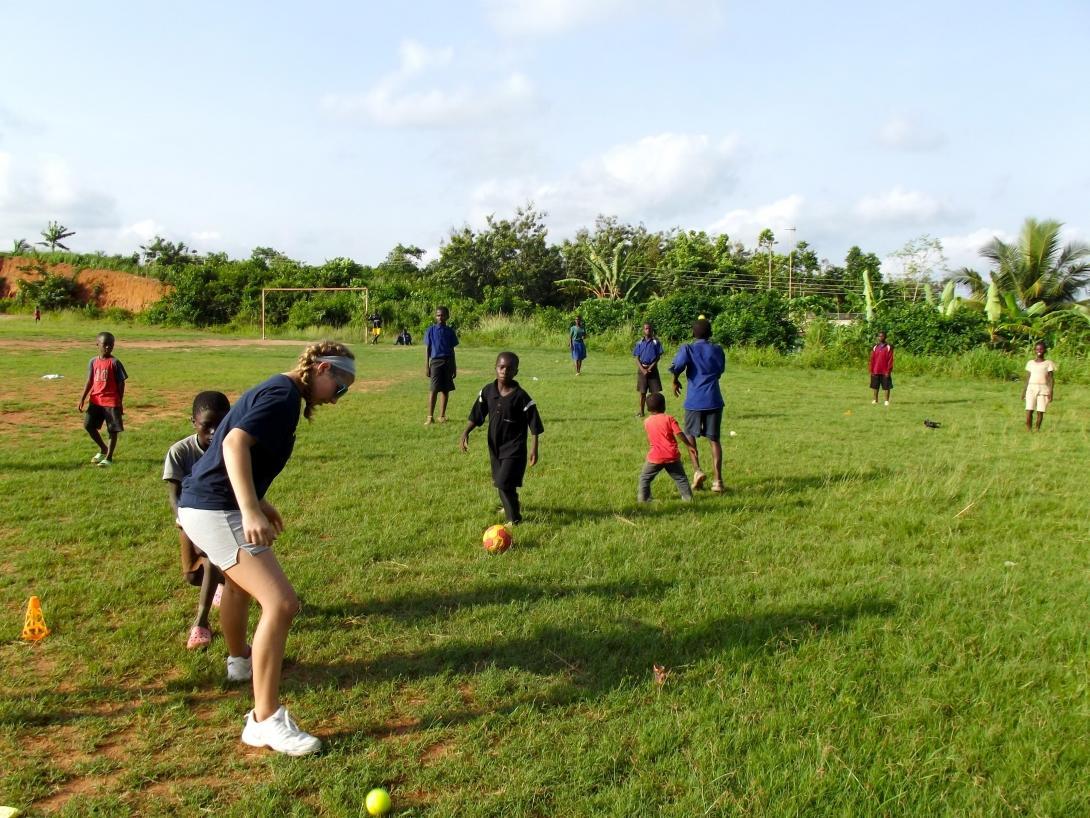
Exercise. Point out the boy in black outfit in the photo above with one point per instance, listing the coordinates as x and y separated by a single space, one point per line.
512 416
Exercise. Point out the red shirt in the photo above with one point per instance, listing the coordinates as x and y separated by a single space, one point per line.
105 375
881 359
662 431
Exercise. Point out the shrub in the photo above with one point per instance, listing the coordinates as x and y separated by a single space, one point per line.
603 314
919 328
756 319
673 315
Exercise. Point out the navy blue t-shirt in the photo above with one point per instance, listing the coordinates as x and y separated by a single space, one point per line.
440 340
270 413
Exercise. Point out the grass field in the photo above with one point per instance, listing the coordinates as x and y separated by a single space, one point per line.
877 619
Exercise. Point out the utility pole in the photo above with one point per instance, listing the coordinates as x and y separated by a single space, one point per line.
791 261
770 263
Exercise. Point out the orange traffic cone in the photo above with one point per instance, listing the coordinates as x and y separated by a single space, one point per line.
34 627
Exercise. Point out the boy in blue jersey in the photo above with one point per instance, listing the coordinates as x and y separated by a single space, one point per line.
703 363
647 353
439 364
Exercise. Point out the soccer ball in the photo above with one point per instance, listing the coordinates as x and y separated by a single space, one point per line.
497 539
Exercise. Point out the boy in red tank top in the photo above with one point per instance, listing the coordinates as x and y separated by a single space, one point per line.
663 433
106 389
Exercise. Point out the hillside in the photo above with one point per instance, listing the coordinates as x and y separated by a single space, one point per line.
117 289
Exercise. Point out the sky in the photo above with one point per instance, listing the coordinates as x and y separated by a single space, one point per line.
340 129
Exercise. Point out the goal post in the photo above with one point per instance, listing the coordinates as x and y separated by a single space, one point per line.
364 290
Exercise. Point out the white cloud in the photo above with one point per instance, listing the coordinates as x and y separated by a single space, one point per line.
46 189
745 224
403 99
900 206
909 134
207 235
142 231
963 250
665 176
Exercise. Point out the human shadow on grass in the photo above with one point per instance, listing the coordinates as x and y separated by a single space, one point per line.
407 607
598 657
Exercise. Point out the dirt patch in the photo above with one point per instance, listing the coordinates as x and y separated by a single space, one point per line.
105 288
435 752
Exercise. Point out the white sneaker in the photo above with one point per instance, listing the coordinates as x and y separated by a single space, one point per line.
240 668
874 402
279 732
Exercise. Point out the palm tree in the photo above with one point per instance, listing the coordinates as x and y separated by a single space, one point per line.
20 247
1036 268
54 234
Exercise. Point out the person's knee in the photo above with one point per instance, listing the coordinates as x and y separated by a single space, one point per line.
284 607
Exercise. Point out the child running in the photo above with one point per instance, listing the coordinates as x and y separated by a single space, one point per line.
663 433
1040 388
703 364
881 367
208 411
106 390
439 364
224 511
512 416
647 353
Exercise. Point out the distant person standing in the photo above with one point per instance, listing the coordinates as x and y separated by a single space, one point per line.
105 391
1040 388
647 353
37 314
439 363
881 367
376 326
703 364
577 343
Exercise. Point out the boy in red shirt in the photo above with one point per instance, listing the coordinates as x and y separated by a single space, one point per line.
881 367
106 387
663 433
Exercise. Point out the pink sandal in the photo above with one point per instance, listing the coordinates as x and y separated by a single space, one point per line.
198 638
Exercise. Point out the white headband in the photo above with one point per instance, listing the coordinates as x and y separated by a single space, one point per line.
340 362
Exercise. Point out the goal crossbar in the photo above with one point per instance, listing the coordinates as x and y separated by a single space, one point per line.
364 290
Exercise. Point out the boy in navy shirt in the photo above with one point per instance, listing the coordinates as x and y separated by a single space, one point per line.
703 363
512 416
439 364
647 353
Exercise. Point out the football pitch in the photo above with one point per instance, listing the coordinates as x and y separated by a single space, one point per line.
877 618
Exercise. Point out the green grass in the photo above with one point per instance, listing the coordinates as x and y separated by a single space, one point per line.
878 619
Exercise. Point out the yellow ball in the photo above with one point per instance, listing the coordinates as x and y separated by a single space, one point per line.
497 539
378 801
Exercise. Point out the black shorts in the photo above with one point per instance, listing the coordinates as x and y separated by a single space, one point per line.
703 423
881 381
507 473
443 372
651 382
95 415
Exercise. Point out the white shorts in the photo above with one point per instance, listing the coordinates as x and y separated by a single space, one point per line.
1038 396
218 534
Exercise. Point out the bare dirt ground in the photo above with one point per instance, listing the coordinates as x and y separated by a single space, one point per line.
117 289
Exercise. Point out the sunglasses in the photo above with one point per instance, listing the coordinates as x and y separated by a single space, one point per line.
342 387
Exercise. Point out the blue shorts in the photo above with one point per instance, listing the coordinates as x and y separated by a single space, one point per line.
703 423
578 350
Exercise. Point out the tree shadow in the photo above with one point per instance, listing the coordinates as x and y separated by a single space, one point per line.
589 661
408 607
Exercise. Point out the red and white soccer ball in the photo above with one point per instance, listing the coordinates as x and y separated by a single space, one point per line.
497 539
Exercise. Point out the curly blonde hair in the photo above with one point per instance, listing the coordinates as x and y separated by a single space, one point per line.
304 368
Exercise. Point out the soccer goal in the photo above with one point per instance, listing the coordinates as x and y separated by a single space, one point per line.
366 297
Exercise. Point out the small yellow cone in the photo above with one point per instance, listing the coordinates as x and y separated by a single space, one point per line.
34 627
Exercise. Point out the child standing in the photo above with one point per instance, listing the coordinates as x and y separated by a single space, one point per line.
663 433
106 389
1039 390
512 416
647 353
209 409
577 343
439 364
881 367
